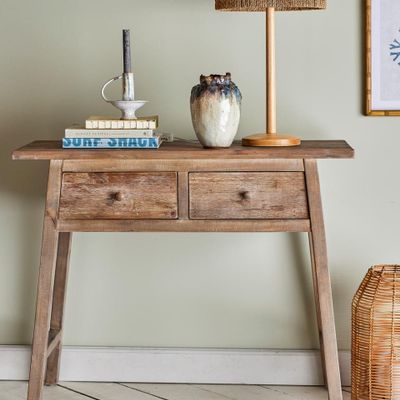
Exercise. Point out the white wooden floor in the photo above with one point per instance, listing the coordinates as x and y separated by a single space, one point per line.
133 391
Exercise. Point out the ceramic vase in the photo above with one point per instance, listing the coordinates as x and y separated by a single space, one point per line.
215 107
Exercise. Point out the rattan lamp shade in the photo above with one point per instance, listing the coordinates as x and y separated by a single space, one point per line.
262 5
376 336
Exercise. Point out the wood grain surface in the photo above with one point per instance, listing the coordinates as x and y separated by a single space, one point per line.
182 225
44 297
51 149
183 165
136 195
180 187
322 283
248 195
57 312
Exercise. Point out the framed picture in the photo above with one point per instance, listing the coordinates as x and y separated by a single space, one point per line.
383 57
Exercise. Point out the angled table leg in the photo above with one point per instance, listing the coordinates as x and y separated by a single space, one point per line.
317 304
45 285
322 284
59 293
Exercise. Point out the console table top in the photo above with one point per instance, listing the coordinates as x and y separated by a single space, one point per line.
314 149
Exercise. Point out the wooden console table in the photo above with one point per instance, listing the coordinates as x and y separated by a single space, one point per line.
180 187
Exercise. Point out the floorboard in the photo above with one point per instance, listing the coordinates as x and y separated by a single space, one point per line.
241 392
18 391
107 391
305 392
133 391
177 392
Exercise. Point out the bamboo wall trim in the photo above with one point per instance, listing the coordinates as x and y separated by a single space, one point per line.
368 69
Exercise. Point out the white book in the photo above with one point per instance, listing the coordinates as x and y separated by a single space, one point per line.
78 131
103 122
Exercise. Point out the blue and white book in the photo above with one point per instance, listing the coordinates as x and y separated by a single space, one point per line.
112 143
78 131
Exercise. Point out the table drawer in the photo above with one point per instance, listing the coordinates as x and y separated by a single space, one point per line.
248 195
132 195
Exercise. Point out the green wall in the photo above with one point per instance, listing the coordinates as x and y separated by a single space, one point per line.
223 290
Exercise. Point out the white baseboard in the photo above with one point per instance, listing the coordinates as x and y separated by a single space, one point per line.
162 365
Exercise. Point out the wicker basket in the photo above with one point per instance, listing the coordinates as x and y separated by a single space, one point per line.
376 335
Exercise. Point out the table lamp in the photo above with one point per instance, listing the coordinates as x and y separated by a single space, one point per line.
271 137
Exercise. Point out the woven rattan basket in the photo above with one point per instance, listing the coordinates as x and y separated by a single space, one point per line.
376 335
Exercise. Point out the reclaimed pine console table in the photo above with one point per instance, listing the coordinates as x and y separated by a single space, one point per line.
180 187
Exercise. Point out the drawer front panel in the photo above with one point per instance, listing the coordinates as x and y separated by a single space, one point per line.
134 195
248 195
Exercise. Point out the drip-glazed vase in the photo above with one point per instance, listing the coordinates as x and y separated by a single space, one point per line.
215 106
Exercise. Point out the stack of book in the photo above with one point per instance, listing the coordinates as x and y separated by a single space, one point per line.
112 133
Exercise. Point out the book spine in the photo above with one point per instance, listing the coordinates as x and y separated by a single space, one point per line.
114 143
100 133
122 124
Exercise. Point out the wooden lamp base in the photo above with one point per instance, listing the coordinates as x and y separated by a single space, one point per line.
270 140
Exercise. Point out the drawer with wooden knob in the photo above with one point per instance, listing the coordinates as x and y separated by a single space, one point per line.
248 195
117 195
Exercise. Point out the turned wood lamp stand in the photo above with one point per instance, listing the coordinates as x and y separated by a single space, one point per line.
270 137
180 187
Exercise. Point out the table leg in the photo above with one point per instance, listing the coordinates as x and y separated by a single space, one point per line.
322 284
317 304
59 293
43 310
42 340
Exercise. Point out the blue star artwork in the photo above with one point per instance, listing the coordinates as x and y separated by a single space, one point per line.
395 50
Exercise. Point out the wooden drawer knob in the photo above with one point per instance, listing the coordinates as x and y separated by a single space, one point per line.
117 196
245 195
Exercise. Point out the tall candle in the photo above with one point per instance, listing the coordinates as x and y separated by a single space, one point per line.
127 51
